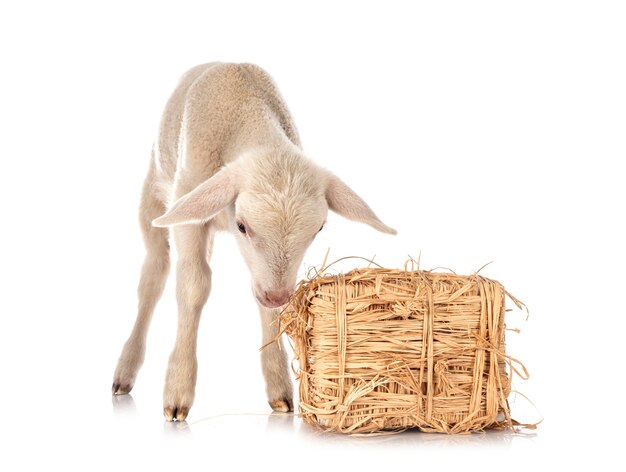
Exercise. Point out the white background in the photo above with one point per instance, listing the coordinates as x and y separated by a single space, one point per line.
482 131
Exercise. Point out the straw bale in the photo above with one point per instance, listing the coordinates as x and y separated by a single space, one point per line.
385 350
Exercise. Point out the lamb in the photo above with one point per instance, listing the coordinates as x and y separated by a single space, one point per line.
228 158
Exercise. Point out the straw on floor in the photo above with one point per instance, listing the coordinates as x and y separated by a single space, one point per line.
382 349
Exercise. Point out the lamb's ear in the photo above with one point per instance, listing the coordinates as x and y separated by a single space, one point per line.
342 200
202 203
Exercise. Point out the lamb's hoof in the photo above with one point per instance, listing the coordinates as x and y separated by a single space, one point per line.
176 413
120 388
284 405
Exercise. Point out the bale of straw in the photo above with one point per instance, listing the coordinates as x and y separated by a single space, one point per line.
381 349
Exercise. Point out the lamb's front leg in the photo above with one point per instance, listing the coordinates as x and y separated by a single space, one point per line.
274 363
193 284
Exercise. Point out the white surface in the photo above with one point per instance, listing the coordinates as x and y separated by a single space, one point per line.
482 131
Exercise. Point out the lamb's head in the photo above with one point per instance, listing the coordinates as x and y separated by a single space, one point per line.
275 205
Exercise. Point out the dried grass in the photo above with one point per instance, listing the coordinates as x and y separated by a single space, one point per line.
386 350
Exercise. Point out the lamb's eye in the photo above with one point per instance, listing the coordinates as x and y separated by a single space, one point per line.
321 228
241 227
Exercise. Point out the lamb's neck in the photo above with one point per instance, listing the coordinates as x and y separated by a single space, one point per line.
265 132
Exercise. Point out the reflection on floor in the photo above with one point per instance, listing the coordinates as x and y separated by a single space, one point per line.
288 423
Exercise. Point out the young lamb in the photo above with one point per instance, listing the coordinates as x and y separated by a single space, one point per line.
228 157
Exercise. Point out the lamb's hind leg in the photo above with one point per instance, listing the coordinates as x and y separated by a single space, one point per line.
153 276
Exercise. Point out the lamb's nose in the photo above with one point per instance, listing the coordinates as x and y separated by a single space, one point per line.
276 298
